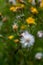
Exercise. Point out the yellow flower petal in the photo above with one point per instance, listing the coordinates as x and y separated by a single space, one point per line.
30 20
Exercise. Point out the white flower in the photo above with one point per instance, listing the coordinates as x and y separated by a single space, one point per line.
27 40
15 26
13 2
40 34
38 56
33 2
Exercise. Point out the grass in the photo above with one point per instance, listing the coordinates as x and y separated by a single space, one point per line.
10 53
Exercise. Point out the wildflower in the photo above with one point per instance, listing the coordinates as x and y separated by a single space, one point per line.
27 40
15 26
30 20
38 56
13 2
33 2
40 34
34 10
14 9
16 40
22 5
23 27
10 37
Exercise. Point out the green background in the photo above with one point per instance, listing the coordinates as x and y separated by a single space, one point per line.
12 53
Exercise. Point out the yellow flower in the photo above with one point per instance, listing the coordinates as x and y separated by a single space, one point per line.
34 10
16 40
13 8
30 20
23 27
10 37
22 5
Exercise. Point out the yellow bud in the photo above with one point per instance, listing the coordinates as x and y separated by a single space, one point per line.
16 40
10 37
23 27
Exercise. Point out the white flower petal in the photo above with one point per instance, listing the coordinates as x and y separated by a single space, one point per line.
27 39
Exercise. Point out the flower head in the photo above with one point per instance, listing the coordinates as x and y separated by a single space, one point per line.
27 40
33 2
14 9
22 5
34 10
23 27
40 34
15 26
38 56
10 37
30 20
13 2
